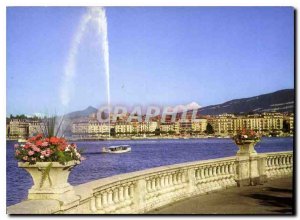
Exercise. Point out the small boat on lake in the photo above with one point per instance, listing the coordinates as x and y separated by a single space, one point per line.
116 149
22 141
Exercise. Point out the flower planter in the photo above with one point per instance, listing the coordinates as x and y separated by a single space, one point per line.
246 148
248 163
55 185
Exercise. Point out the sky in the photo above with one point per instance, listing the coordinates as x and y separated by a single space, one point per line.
158 56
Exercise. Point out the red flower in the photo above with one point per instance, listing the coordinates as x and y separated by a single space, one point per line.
54 140
39 143
39 136
32 139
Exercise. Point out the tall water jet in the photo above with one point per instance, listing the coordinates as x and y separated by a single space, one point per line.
99 15
95 16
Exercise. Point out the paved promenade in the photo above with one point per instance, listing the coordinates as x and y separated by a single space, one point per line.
274 197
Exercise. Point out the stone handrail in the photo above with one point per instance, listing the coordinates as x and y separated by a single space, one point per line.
278 164
141 191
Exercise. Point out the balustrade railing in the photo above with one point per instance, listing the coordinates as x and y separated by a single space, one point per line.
142 191
279 164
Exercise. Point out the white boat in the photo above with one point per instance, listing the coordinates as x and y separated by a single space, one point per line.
116 149
22 140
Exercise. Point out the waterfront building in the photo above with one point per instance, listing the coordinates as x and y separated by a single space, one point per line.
289 119
228 124
18 128
170 127
185 126
199 125
147 127
22 128
35 127
123 127
222 124
90 129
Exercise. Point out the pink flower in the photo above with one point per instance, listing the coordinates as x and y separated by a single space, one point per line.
17 152
33 158
25 158
30 153
36 149
16 145
43 153
45 144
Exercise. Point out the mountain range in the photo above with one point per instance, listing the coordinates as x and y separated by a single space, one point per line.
279 101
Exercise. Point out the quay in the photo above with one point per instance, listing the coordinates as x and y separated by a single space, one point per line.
273 198
147 191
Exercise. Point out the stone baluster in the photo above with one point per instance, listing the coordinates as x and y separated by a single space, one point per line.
148 185
167 184
121 193
110 197
99 201
231 169
180 176
153 188
202 174
93 205
210 174
116 196
131 192
174 177
197 174
206 175
184 176
162 182
104 199
157 183
170 182
126 192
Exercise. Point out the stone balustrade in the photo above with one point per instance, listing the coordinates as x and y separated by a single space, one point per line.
141 191
278 164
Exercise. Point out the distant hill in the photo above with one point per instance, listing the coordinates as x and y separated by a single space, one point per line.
80 114
279 101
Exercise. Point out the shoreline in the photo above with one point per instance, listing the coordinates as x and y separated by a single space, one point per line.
153 138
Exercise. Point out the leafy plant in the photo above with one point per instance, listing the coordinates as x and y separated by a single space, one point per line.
45 174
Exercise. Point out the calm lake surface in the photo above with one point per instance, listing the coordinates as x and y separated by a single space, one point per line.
144 154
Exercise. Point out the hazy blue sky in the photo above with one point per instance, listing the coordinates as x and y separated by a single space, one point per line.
164 56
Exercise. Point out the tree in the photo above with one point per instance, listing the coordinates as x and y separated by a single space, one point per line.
286 127
157 132
113 132
171 132
209 129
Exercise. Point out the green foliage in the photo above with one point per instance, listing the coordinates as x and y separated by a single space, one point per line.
157 131
45 174
286 126
209 129
113 132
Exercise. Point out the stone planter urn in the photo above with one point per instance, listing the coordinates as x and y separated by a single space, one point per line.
55 184
246 148
247 163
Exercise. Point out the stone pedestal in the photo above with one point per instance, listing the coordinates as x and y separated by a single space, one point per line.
247 164
55 185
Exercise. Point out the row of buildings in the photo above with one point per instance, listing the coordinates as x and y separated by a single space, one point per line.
223 125
22 128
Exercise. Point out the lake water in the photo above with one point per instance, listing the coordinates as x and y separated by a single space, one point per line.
144 154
